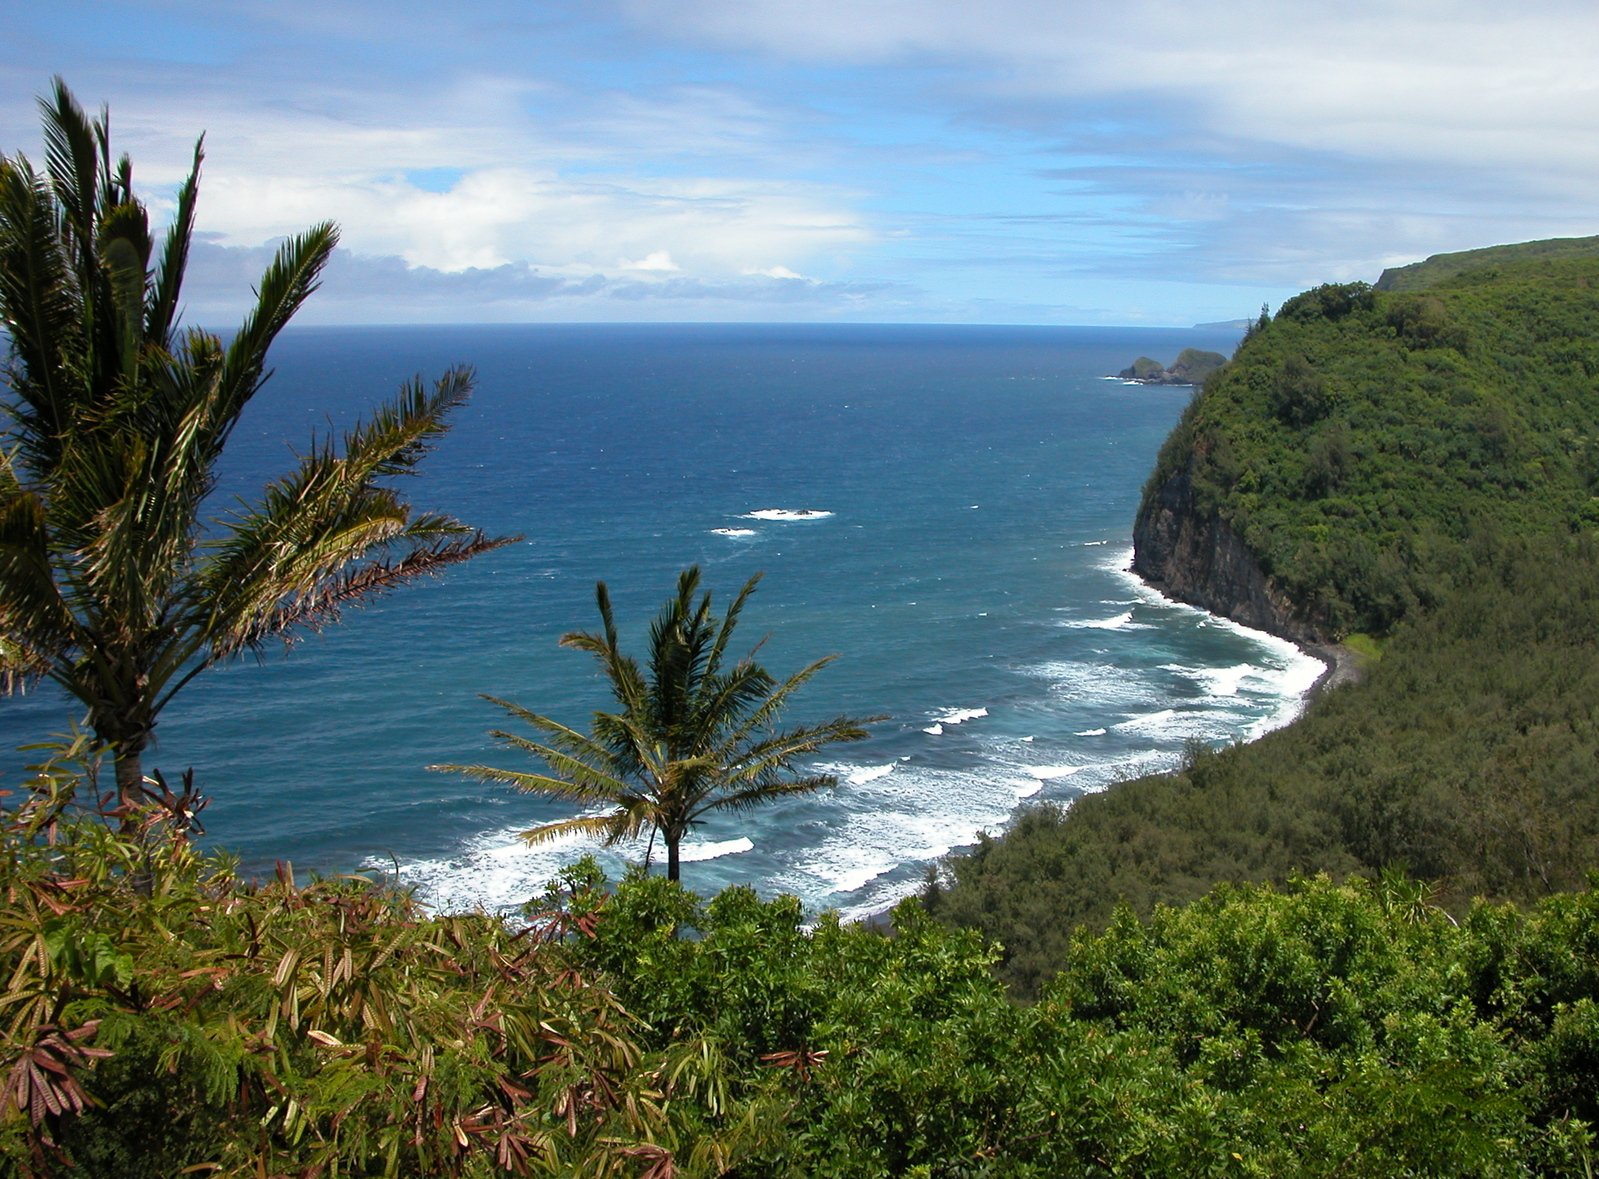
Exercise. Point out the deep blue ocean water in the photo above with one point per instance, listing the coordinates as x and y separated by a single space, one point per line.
947 508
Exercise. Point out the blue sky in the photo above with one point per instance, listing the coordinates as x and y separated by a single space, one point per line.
833 160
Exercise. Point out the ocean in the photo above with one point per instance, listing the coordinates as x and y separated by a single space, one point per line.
946 509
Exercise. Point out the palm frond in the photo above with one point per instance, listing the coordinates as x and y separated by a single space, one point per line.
529 783
329 536
729 623
34 621
753 796
611 829
312 602
293 275
161 319
627 679
72 158
37 306
394 439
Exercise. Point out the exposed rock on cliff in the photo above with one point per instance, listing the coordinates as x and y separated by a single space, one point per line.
1197 558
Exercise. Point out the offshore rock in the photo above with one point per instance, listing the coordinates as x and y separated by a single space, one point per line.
1191 367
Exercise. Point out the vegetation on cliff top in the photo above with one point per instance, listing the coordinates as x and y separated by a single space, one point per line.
1362 441
1441 267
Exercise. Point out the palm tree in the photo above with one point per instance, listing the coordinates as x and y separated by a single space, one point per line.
110 583
691 735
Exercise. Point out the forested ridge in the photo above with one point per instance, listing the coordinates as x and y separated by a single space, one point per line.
1415 473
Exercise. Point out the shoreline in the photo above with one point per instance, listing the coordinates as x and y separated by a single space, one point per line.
1343 667
1340 666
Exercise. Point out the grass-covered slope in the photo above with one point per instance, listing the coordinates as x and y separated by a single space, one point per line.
1441 267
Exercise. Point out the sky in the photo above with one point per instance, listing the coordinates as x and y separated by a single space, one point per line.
1142 162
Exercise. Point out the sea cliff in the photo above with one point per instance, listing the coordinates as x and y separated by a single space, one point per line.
1196 557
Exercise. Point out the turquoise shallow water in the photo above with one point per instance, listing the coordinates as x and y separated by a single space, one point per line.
948 509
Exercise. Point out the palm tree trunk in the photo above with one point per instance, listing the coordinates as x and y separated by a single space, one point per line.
671 858
130 782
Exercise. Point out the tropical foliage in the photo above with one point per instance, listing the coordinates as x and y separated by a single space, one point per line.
111 582
332 1029
693 732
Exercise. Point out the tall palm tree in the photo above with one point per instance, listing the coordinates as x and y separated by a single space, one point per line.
692 733
110 582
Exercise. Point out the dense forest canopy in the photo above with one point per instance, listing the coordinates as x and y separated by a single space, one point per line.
1363 441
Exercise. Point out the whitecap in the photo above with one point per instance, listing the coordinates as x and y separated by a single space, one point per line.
864 774
1148 721
787 515
1051 773
1107 685
1094 544
734 532
1028 789
959 716
1171 724
695 853
935 729
1092 733
1115 623
1217 681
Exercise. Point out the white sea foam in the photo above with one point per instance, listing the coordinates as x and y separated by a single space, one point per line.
1028 789
864 774
787 515
698 853
494 871
1116 623
1092 733
734 532
1094 544
1174 724
1051 773
1219 681
959 716
1109 687
909 817
1286 670
935 729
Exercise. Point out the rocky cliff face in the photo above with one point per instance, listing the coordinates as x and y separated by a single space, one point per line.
1197 558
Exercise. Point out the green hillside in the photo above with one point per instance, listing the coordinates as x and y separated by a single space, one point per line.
1441 267
1362 441
1420 467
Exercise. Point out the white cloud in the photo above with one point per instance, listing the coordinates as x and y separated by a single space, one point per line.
1464 81
660 260
908 158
